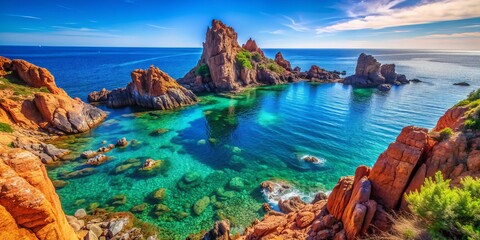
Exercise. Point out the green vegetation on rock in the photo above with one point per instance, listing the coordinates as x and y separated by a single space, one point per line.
4 127
274 67
445 133
243 58
19 88
449 213
203 71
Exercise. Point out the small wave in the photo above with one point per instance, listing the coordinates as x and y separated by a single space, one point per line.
281 193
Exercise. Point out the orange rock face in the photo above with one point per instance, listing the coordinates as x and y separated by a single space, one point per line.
29 206
391 173
36 76
151 88
5 66
54 112
453 119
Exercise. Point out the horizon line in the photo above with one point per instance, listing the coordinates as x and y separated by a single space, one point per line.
273 48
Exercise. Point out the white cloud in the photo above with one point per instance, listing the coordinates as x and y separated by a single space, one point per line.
275 32
453 35
401 31
296 25
444 10
364 8
158 27
23 16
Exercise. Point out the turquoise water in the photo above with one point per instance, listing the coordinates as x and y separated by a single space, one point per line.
250 137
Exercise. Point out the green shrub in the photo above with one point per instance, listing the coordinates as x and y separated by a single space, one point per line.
11 145
445 133
257 57
449 213
474 95
243 59
274 67
472 123
464 102
5 128
203 71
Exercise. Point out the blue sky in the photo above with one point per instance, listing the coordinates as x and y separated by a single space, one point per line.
437 24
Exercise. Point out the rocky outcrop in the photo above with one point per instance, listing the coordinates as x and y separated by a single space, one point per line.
5 66
251 46
282 62
370 73
100 96
317 74
29 206
150 88
36 76
361 204
226 67
44 106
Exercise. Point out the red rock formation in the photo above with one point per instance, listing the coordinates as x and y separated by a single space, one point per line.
370 73
282 62
5 66
36 76
151 88
55 111
317 74
363 202
391 173
29 206
251 46
226 73
453 118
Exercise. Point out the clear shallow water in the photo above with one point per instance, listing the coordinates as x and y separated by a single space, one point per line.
255 136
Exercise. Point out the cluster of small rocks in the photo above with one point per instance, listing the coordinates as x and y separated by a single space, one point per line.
90 227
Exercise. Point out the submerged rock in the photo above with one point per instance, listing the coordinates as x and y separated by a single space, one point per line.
78 173
189 180
200 205
160 194
160 209
118 200
158 132
236 183
59 183
139 208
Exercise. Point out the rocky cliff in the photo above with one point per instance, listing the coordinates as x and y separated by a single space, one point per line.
150 88
31 100
29 206
361 204
226 67
370 73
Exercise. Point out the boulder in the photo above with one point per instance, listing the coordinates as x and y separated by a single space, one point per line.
220 231
66 114
122 142
97 160
290 205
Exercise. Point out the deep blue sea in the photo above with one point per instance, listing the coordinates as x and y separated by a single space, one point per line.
246 138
